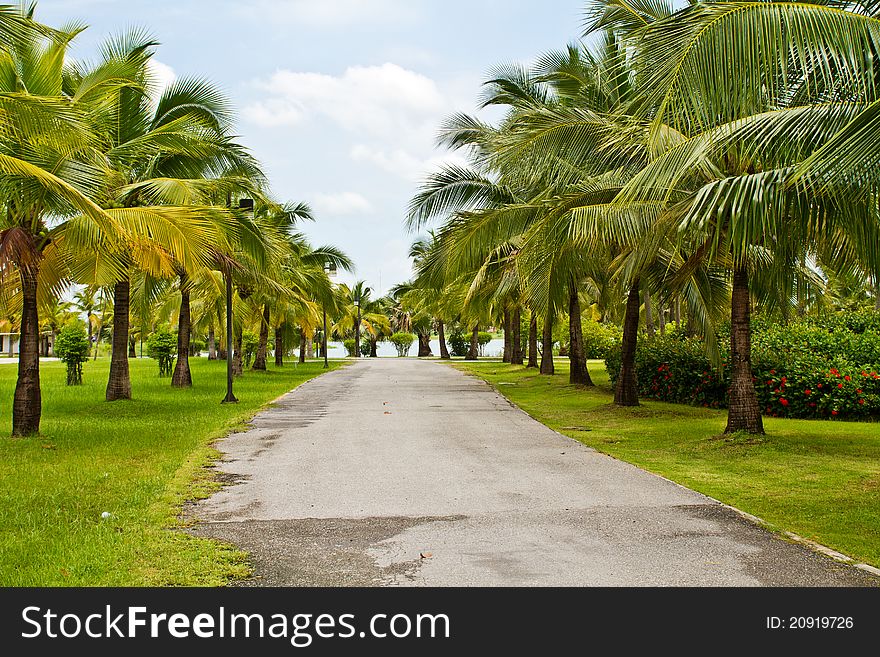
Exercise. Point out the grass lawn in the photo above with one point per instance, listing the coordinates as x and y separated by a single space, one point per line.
139 460
818 479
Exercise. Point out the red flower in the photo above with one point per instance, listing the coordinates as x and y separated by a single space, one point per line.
839 385
772 371
834 371
820 385
783 401
864 373
808 392
770 383
861 401
858 391
784 379
847 378
812 404
833 412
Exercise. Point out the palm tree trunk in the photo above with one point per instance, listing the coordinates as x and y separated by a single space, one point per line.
374 346
516 354
474 351
302 345
578 372
279 347
441 334
649 315
212 344
425 345
132 347
27 404
661 317
677 313
744 413
533 340
182 377
119 383
237 369
547 346
508 338
626 392
263 346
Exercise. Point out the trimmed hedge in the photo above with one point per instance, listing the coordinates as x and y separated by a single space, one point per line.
812 368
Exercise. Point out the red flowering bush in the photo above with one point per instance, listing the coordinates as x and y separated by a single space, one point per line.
807 369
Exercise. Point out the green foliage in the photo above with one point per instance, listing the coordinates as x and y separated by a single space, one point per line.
599 339
814 368
458 344
365 347
402 342
483 339
72 346
249 343
349 347
196 346
162 346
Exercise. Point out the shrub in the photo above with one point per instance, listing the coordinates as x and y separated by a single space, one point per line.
365 347
196 347
599 339
813 368
402 342
162 346
249 343
483 338
458 344
72 346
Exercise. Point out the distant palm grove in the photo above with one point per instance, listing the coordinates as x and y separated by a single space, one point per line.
689 193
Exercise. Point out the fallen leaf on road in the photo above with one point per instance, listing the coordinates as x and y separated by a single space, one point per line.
426 555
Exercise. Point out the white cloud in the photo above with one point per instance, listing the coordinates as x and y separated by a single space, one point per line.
376 100
403 163
343 203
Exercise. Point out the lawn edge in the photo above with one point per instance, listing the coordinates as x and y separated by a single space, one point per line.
781 533
197 479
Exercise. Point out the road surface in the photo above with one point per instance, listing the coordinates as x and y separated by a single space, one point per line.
402 472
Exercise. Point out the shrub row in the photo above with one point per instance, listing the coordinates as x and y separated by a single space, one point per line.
806 369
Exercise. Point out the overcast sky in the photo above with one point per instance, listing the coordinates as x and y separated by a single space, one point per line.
340 99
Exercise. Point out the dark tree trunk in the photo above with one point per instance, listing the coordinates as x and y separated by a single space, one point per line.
223 342
279 347
263 346
677 313
27 404
508 338
237 368
212 344
182 377
649 315
661 319
302 345
374 346
744 413
516 354
547 346
474 351
441 334
579 373
119 383
533 340
425 345
626 392
132 347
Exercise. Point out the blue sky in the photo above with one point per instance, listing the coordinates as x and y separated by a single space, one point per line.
340 99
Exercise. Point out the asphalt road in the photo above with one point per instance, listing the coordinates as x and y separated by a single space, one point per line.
410 473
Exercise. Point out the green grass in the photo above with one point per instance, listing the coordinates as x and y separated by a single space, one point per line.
818 479
140 460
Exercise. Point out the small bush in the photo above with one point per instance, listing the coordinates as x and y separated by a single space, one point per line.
249 343
483 339
458 344
196 347
402 342
162 346
599 339
72 346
